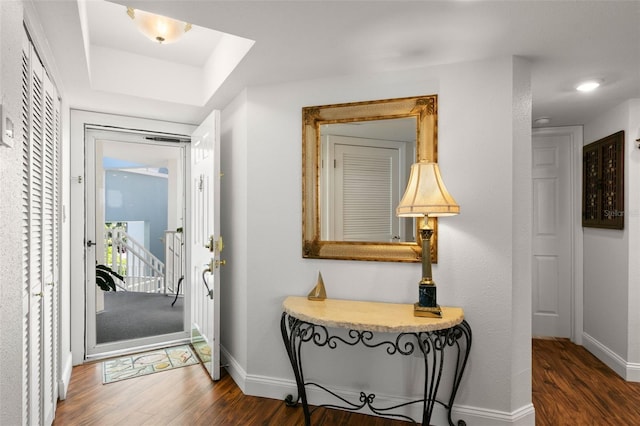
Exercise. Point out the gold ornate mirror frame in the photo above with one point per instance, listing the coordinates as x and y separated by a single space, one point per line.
424 109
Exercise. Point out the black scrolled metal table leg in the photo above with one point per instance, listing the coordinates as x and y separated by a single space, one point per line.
433 346
430 345
460 331
292 342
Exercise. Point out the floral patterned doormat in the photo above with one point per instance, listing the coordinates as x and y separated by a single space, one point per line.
145 363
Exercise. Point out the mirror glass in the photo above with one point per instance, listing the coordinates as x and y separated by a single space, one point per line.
356 162
363 171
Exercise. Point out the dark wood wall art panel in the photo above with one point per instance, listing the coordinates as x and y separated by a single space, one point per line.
603 183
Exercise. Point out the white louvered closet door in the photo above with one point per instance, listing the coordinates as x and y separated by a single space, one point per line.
366 192
40 229
51 197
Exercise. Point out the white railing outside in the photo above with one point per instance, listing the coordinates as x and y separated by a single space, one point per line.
174 262
142 271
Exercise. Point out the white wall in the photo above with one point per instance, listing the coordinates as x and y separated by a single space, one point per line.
484 253
633 202
605 259
611 272
11 313
233 220
522 226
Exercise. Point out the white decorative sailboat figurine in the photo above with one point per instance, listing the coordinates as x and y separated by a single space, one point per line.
318 292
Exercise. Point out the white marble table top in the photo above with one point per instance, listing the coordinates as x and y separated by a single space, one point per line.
368 316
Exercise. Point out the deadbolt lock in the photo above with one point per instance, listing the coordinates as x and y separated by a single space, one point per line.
214 244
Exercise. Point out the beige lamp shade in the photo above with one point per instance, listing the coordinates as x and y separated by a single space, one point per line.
426 194
158 28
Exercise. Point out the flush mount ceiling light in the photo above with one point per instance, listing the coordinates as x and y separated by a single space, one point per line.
158 28
542 120
588 86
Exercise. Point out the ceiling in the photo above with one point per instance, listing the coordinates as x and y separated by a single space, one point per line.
565 41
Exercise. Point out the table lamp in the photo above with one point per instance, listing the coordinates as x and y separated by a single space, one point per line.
426 196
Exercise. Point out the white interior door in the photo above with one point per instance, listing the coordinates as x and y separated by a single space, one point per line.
205 243
40 232
34 185
50 259
552 260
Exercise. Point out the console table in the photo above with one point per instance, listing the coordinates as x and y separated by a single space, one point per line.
304 321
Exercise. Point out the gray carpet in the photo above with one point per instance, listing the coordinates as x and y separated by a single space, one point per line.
132 315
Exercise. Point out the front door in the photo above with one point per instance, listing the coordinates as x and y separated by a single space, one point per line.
205 243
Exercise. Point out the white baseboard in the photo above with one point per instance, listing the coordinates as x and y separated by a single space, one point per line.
627 370
524 416
66 365
235 370
604 354
275 388
633 372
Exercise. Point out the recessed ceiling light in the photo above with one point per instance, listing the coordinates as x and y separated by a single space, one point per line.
542 120
588 86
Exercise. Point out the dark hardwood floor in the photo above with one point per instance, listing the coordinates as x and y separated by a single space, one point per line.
573 387
570 387
184 396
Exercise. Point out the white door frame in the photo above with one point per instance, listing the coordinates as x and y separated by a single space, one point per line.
77 210
575 135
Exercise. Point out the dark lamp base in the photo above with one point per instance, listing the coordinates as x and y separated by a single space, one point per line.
427 295
427 311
